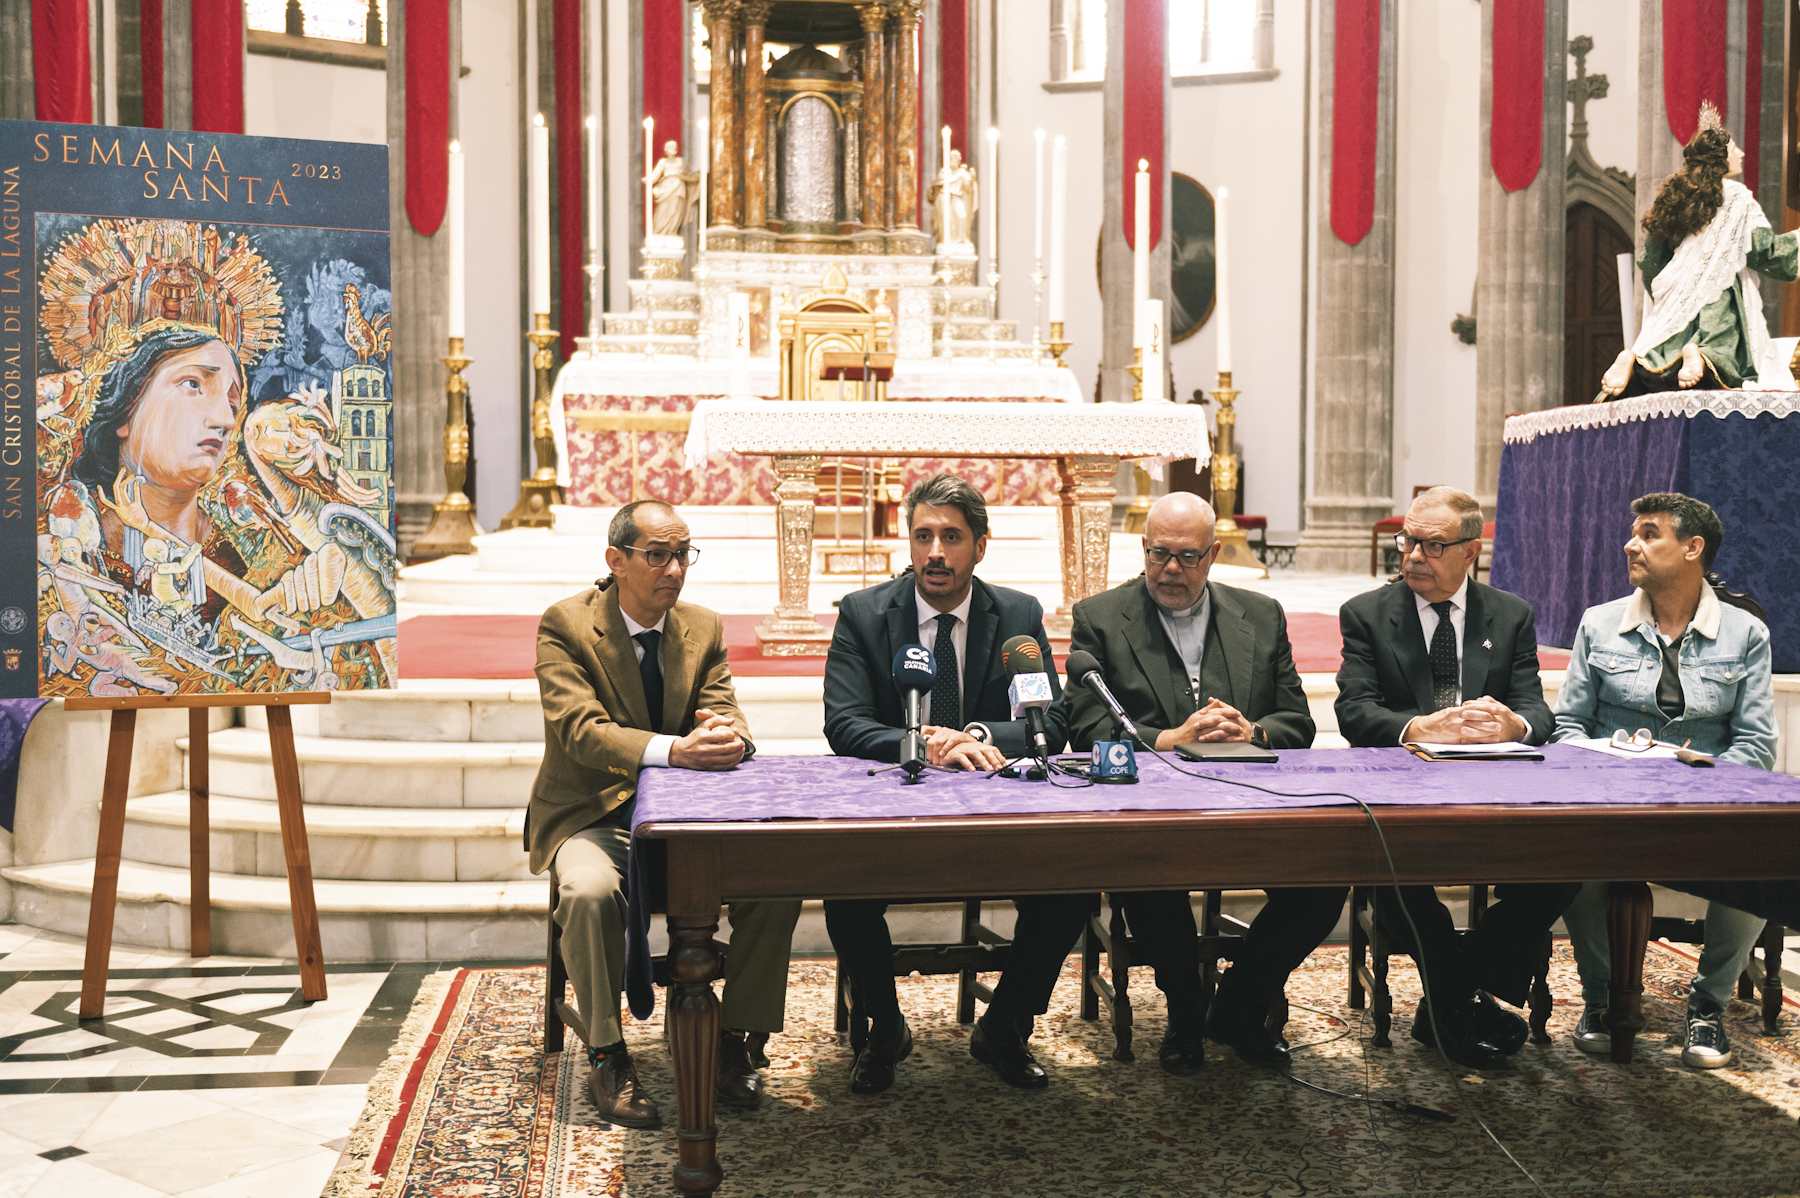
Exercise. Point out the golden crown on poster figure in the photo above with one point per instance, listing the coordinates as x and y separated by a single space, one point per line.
193 539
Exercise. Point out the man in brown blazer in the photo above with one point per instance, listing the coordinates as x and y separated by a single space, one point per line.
632 678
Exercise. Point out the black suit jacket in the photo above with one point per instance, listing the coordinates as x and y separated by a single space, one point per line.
1386 677
1120 628
863 712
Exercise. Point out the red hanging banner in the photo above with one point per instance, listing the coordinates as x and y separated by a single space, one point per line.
427 113
953 73
1516 127
570 132
59 61
1355 92
1693 62
1146 32
218 27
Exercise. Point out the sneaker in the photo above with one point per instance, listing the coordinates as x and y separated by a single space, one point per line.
1593 1034
1706 1045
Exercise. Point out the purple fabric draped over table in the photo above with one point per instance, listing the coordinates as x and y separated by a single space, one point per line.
1564 513
776 788
15 718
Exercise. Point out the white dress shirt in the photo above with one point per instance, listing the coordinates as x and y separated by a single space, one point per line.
656 753
959 636
1428 621
1186 631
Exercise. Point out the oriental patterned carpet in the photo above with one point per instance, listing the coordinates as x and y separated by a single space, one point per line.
468 1107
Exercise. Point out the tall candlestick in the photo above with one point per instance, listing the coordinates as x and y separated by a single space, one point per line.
1154 350
1140 252
1221 288
704 136
593 186
990 239
540 215
454 222
1037 201
649 163
1059 219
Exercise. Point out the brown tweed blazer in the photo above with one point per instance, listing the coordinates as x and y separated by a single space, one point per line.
596 722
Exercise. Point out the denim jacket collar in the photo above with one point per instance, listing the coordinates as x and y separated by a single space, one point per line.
1705 621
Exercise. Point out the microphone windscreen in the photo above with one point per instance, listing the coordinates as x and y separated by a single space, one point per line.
914 669
1021 655
1079 665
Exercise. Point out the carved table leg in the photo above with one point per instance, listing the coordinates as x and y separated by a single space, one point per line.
1087 495
792 631
1628 909
693 1014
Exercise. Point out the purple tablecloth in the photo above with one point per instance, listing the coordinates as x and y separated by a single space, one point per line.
773 788
1564 507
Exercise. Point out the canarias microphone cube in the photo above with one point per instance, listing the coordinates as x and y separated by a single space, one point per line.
1113 761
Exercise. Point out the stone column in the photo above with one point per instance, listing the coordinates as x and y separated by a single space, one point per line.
724 107
1353 404
1771 157
178 65
18 96
1658 153
1519 352
756 143
874 124
1117 317
904 131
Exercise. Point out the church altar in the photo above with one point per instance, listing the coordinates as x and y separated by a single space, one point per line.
1086 443
1568 476
620 421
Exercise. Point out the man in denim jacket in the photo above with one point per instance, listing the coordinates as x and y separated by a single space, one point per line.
1673 660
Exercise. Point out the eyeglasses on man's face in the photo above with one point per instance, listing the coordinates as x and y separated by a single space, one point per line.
658 558
1187 559
1433 549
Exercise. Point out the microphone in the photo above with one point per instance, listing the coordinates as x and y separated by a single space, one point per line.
1029 690
914 672
1085 671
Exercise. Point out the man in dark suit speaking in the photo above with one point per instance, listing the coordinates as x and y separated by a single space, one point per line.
1191 660
942 605
1442 659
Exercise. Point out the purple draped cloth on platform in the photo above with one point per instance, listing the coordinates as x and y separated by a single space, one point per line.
777 788
1564 507
15 718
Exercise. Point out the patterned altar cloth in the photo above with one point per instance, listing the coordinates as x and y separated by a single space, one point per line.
1568 476
596 466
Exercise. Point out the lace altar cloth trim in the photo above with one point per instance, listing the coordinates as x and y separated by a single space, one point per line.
1528 427
1152 434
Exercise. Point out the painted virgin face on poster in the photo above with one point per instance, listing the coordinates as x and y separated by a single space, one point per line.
213 484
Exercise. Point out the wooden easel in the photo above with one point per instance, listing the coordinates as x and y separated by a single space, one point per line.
104 901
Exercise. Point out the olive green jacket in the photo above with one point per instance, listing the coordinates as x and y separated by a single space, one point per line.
596 722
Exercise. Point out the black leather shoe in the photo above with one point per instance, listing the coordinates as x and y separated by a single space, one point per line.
1245 1033
1006 1052
1462 1040
1183 1050
755 1043
874 1068
739 1086
1502 1028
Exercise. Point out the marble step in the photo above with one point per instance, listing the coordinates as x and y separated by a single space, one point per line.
358 920
382 844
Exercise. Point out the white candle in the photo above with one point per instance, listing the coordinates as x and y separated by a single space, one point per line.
946 159
990 238
1140 252
455 228
705 139
1627 298
1059 219
540 215
1037 205
1221 289
649 162
1153 351
593 184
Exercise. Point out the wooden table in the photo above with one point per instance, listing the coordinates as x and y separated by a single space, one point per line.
921 859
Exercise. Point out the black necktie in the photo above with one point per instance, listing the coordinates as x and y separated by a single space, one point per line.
1446 685
1669 699
650 670
946 691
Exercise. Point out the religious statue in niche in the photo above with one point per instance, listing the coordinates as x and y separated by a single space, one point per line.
1705 241
674 190
953 202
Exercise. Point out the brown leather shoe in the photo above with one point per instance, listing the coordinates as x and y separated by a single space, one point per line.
739 1085
613 1089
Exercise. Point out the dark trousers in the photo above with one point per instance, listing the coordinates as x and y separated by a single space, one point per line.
1046 931
1498 955
1776 901
1293 922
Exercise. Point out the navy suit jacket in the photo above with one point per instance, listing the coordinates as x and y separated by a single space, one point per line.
863 712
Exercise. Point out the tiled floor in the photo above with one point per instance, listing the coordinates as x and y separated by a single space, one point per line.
208 1077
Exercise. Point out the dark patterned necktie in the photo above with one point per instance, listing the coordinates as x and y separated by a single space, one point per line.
1669 698
946 690
1446 686
650 670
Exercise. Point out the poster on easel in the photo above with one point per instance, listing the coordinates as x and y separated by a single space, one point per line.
196 414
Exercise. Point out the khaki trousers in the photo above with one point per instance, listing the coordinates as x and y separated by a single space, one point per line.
589 873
